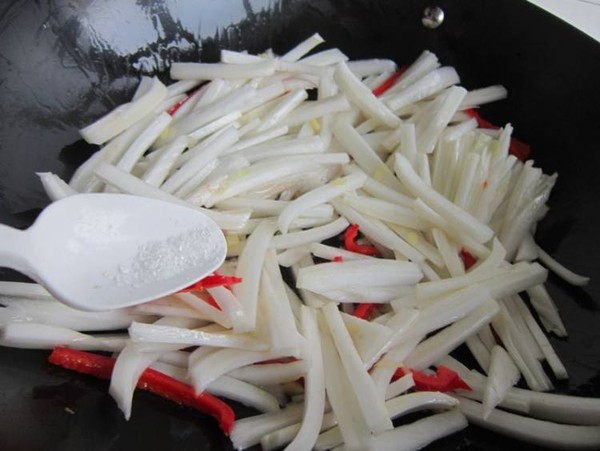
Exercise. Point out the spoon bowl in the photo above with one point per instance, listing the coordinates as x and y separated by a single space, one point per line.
103 251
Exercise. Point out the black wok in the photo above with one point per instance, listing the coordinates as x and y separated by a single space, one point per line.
63 63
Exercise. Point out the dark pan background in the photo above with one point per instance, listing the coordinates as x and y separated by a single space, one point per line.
65 63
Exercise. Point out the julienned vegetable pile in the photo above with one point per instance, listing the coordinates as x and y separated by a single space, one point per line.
372 229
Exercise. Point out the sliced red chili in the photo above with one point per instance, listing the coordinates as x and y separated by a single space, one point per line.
101 366
364 310
467 258
519 149
389 82
171 111
338 259
351 245
214 280
444 380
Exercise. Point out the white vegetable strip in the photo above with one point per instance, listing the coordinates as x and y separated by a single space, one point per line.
425 63
279 319
84 180
169 306
200 156
198 303
132 185
305 237
329 253
268 207
503 374
214 127
247 394
521 354
546 308
44 336
55 187
442 343
400 386
158 171
364 155
550 355
420 433
479 351
484 95
50 311
538 432
386 211
360 95
232 307
546 406
341 397
379 272
317 197
453 214
210 71
397 407
287 104
271 373
248 431
560 270
300 146
124 116
292 256
327 57
316 109
314 384
151 333
132 362
369 337
258 175
366 67
372 407
143 142
283 436
303 48
210 367
229 56
379 190
430 290
449 253
385 368
23 289
249 268
260 138
430 84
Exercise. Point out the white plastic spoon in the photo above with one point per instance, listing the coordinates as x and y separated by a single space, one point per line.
106 251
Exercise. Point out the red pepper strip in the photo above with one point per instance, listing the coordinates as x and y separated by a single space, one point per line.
211 301
151 380
171 111
214 280
444 380
350 242
481 122
467 258
364 310
517 148
338 259
389 82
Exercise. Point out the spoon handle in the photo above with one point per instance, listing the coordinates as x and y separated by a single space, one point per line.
15 250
